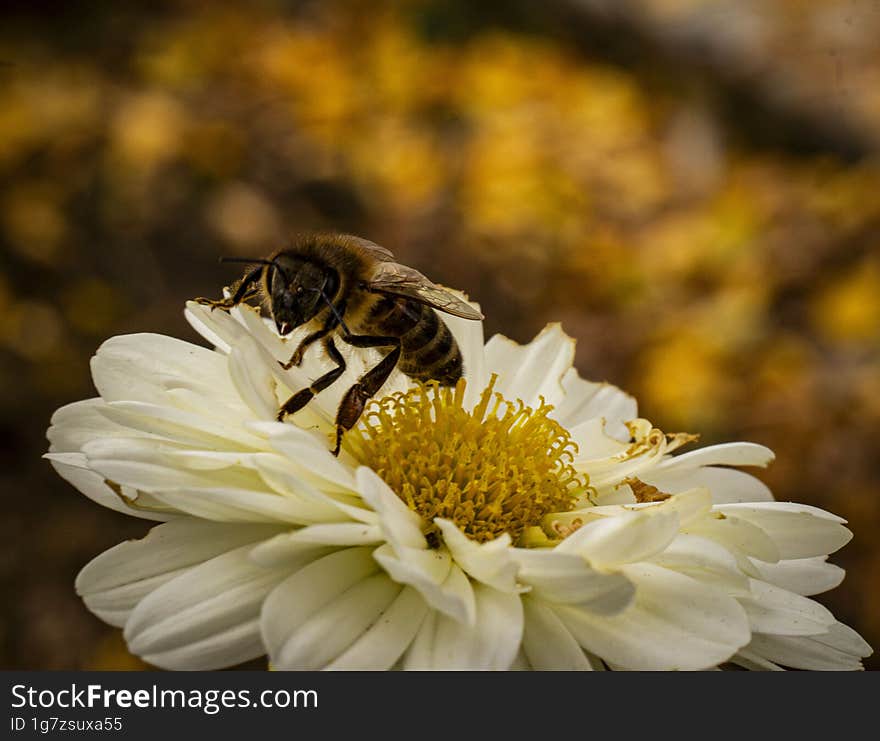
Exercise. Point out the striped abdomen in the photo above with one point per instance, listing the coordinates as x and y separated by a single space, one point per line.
428 349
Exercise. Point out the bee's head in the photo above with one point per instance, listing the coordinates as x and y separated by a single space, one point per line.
298 290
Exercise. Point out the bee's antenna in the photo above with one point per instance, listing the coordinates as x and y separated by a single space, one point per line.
258 261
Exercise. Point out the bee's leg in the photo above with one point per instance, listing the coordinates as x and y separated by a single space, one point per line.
301 398
352 404
308 340
244 290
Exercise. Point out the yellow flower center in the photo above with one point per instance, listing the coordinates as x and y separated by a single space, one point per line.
497 469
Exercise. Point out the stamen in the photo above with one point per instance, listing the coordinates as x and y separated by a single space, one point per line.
497 469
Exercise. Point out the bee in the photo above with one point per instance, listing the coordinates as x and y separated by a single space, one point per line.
347 288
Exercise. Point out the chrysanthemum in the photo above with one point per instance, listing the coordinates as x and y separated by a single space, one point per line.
526 518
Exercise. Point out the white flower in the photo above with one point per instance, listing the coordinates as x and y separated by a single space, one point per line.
457 528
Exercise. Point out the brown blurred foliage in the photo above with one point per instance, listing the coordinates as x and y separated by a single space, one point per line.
691 188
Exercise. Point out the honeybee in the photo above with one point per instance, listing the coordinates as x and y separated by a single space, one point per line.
349 288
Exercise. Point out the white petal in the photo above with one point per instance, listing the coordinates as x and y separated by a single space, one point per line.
774 610
215 325
388 637
239 505
283 550
400 525
94 486
727 454
114 582
153 477
674 623
441 583
182 426
690 505
832 651
547 643
806 576
491 642
737 535
309 454
634 536
704 560
490 563
594 441
205 618
252 375
339 534
566 578
726 484
74 425
144 367
301 596
315 639
529 371
798 530
585 400
753 662
285 479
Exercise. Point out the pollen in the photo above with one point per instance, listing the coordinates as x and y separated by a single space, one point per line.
499 468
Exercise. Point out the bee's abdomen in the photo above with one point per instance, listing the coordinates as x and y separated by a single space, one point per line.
429 351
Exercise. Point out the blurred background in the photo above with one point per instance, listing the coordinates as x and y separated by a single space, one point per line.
691 187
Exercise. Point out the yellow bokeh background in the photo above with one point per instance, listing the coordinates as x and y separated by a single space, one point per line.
691 188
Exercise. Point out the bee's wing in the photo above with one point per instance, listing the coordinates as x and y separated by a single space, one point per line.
371 249
400 280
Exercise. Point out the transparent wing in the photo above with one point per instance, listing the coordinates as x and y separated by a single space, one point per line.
400 280
370 249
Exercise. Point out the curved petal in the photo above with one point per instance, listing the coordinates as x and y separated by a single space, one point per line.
585 400
530 371
141 366
182 426
805 576
218 327
250 371
303 595
384 642
547 643
205 618
490 563
309 454
798 530
326 506
399 524
840 649
491 642
113 583
314 639
774 610
224 504
633 536
338 534
95 487
441 583
726 454
727 485
674 623
74 425
704 560
737 535
566 578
